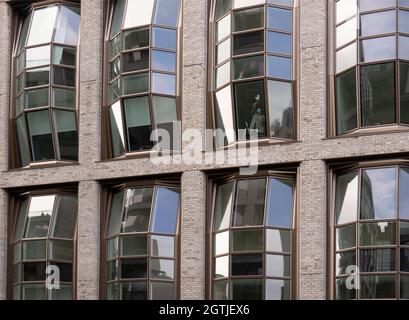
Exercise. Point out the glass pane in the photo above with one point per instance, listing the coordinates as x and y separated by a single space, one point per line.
222 207
221 290
280 100
223 51
64 98
38 56
114 91
248 42
162 246
112 248
137 210
164 38
40 134
34 250
135 83
167 12
112 270
23 33
344 262
280 203
65 271
65 217
117 129
39 215
134 268
68 26
404 260
344 291
249 206
135 39
164 83
64 77
247 264
378 287
404 287
20 224
16 273
138 13
345 9
366 5
112 289
33 292
248 67
37 77
42 26
345 99
37 98
133 291
378 49
162 291
246 3
165 210
114 69
404 233
114 47
138 123
23 142
378 23
404 103
346 58
223 75
248 240
20 63
279 67
346 198
164 61
65 125
345 237
278 289
63 55
19 104
34 271
280 19
114 225
225 133
277 266
133 246
380 260
247 289
223 28
404 21
117 17
64 293
249 19
221 267
378 195
278 241
346 32
222 7
378 234
162 269
61 250
250 108
221 243
404 3
165 114
287 3
278 42
136 60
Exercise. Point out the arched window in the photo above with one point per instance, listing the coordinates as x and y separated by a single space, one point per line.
252 81
370 65
253 240
142 76
141 243
45 104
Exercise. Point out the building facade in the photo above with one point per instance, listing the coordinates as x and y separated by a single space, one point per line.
85 85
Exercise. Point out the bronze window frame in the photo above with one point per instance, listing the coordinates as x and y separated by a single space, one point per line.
360 129
213 66
336 169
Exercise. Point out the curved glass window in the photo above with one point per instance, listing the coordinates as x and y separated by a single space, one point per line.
371 63
142 75
252 239
371 233
253 69
141 244
43 246
45 85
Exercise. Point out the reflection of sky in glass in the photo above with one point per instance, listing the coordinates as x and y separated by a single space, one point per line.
347 201
41 205
280 203
404 194
378 23
378 199
166 211
346 9
222 243
222 267
378 49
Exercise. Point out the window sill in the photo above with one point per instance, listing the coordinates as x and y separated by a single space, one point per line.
44 165
139 155
371 131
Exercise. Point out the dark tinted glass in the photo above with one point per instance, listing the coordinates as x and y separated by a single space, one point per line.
137 60
404 93
134 268
249 19
345 91
248 67
136 39
64 76
247 264
379 260
37 77
248 42
247 289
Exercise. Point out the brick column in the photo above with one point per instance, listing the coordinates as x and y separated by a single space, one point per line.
88 240
193 223
3 243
